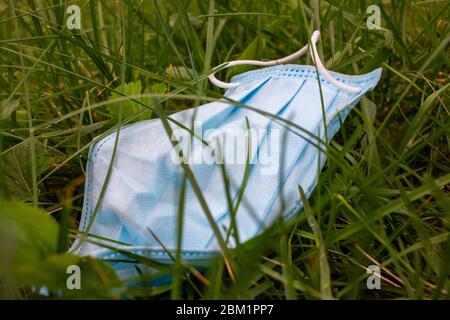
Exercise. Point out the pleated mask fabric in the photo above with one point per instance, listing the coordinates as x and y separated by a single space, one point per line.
141 203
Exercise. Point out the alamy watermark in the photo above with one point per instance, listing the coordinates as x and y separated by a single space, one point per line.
74 19
374 19
374 280
74 279
229 146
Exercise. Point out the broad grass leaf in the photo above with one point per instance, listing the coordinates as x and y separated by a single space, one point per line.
28 243
129 107
250 53
7 106
26 234
177 72
98 280
17 168
159 88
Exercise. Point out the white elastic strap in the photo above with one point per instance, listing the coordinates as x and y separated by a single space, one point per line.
313 50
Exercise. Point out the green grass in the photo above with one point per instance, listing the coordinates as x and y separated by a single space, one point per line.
382 197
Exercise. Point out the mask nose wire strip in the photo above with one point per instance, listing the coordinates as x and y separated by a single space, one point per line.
313 50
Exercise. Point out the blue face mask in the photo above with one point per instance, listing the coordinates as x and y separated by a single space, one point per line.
248 133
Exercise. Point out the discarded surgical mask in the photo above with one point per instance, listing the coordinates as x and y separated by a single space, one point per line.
267 136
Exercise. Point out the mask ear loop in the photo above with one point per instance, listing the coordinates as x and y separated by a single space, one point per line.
313 50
